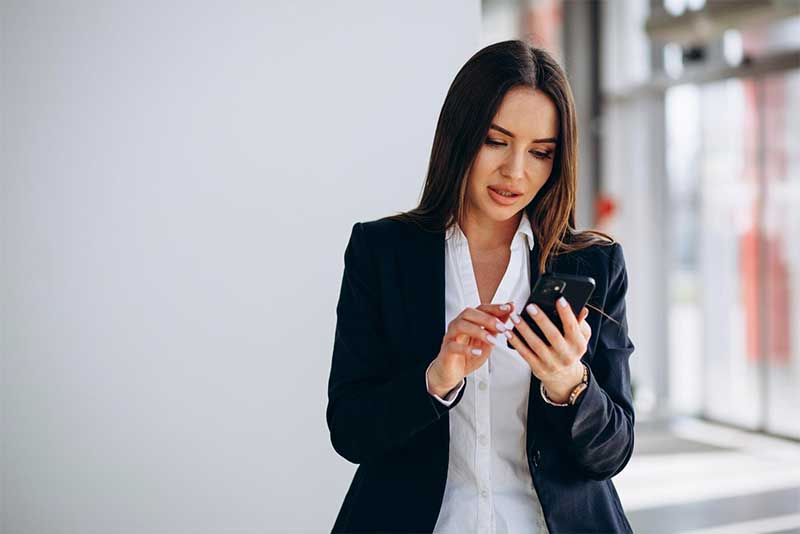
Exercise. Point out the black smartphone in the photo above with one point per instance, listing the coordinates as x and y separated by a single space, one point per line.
576 289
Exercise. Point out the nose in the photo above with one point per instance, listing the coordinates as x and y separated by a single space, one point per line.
514 166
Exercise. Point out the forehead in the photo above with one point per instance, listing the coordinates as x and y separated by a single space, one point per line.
528 114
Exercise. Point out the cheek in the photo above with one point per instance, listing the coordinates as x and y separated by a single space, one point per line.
484 163
543 172
480 174
539 177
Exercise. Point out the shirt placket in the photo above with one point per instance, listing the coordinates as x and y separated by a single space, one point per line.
469 290
502 294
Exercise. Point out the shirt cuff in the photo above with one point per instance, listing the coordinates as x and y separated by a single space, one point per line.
451 396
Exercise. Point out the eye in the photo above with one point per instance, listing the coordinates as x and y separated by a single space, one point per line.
538 154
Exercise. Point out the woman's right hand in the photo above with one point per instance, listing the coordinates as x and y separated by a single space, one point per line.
467 331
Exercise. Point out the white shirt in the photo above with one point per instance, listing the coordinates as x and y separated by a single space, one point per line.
489 487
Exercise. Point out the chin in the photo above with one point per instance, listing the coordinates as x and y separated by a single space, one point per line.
502 213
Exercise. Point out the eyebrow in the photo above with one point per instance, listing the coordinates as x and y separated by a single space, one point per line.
503 130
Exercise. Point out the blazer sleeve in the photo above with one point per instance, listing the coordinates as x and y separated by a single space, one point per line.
451 396
371 409
598 429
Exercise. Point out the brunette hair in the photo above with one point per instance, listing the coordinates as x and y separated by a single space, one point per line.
467 112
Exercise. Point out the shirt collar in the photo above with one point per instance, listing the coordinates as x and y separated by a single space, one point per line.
523 236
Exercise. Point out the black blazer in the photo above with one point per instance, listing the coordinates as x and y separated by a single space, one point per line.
390 325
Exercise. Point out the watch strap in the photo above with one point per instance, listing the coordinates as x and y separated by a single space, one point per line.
576 392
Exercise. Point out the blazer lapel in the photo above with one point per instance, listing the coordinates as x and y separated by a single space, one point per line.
530 435
422 287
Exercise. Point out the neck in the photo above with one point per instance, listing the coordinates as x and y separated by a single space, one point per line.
487 235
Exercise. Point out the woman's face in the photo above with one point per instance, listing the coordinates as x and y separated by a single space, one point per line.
517 155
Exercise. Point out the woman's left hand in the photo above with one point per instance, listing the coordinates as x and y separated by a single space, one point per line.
558 366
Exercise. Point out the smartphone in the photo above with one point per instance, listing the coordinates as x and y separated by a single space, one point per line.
576 289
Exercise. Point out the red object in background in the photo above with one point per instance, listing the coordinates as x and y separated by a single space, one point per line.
779 331
749 241
604 208
777 243
748 277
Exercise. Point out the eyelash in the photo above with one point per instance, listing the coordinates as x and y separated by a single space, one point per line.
539 155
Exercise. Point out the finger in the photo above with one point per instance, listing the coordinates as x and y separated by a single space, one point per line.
572 332
533 360
506 310
501 311
558 344
460 326
463 349
586 330
495 322
535 343
504 307
454 347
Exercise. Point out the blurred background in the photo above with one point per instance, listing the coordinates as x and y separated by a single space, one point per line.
178 181
691 157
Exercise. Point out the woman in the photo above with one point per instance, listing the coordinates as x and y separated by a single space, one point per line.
429 299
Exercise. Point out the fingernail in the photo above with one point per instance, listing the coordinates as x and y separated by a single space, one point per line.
476 352
509 324
500 326
507 334
515 317
491 339
562 302
505 307
532 309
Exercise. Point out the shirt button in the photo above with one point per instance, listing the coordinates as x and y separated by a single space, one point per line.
483 439
484 493
482 386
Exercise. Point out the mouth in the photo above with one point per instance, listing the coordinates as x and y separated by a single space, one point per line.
505 199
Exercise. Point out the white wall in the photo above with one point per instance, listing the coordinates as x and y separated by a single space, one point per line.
178 186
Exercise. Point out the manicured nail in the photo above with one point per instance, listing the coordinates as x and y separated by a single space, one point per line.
515 317
491 339
476 352
533 310
505 307
500 326
562 302
509 325
508 334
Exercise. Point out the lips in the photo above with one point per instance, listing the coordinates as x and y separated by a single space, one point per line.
500 199
504 190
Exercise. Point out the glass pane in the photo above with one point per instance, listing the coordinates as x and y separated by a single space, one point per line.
682 113
781 271
728 251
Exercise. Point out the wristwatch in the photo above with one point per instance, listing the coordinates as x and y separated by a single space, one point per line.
573 397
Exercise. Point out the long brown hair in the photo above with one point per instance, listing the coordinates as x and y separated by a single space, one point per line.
470 104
